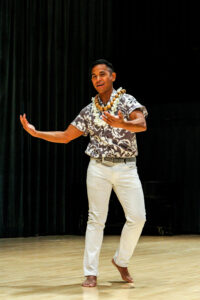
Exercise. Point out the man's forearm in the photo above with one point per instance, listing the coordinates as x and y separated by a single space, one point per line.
137 125
64 137
52 136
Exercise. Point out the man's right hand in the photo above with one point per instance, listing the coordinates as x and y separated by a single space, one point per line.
27 126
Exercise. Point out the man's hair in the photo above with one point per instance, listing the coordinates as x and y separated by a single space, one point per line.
101 61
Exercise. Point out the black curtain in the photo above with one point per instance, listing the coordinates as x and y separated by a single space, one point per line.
46 47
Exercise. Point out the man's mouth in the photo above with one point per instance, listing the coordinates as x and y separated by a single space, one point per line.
100 84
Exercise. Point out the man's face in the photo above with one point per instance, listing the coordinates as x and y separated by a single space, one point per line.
102 78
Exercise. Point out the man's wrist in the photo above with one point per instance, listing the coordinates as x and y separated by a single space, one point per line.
36 134
126 124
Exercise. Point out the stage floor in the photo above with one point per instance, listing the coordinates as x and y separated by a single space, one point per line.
164 268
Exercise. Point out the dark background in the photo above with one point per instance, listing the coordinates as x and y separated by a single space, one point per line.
45 50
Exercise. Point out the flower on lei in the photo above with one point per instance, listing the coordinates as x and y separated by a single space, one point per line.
97 113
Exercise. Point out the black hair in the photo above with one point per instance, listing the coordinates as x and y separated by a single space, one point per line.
101 61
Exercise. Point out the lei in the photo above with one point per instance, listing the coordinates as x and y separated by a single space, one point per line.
112 104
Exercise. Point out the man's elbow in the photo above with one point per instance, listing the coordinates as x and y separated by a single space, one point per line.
67 138
144 126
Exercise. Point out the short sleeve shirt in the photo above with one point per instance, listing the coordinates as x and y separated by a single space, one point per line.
105 140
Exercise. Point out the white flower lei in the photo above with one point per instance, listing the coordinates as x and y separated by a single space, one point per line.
97 114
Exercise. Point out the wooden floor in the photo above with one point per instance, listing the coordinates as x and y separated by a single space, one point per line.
51 268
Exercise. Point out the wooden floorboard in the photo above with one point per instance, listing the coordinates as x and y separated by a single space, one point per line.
164 268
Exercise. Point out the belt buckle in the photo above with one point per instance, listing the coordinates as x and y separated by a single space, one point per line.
106 163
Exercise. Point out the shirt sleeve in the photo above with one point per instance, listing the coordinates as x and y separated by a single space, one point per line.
80 122
132 104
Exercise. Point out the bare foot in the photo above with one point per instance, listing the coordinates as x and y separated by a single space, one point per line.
90 281
124 272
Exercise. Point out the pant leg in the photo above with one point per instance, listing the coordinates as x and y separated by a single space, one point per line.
128 189
99 189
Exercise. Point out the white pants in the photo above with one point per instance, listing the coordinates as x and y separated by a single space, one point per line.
124 180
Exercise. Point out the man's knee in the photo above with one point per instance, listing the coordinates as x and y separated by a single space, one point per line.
138 219
97 219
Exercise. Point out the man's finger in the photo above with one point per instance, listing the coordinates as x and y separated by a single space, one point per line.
120 114
21 120
108 121
105 119
25 120
106 114
110 117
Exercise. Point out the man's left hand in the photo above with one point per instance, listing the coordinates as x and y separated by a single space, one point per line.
114 121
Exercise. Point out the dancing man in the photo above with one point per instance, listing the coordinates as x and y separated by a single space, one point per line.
112 120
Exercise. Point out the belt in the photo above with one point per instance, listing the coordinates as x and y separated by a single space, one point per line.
115 159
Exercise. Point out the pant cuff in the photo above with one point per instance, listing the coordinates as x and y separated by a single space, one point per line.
120 264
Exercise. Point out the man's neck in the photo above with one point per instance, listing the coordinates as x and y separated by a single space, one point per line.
105 97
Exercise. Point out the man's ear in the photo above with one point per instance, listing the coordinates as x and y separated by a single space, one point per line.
114 75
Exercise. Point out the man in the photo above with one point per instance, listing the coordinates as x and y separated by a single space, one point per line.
111 120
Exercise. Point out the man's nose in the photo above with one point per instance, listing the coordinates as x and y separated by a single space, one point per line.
98 78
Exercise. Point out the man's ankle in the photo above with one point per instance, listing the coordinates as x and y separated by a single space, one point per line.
90 281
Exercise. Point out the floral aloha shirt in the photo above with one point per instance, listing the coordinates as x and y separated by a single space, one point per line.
107 141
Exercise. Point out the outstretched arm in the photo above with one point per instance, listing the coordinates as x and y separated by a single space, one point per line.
66 136
137 122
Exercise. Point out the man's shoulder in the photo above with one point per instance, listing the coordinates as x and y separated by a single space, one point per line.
127 98
87 108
